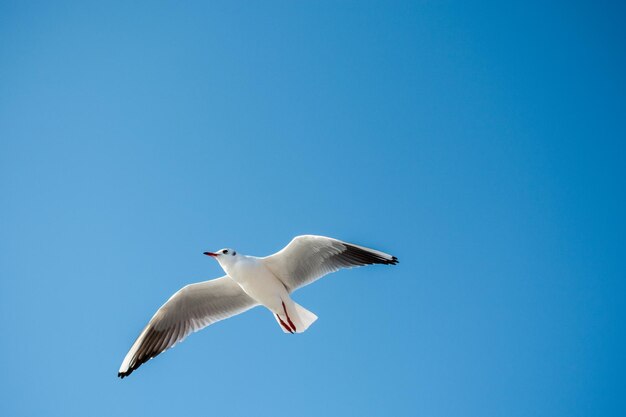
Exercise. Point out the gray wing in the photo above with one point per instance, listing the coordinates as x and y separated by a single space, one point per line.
308 258
192 308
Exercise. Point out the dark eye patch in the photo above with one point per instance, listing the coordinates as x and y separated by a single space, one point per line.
234 253
225 251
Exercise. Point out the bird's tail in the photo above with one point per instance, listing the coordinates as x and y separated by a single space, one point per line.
304 318
297 319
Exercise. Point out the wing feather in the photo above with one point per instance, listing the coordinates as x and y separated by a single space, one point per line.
192 308
307 258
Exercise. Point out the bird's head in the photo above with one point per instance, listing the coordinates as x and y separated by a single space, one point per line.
226 257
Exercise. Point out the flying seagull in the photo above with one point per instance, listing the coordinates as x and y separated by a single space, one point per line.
249 281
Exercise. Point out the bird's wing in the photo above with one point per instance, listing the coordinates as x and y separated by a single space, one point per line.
192 308
308 258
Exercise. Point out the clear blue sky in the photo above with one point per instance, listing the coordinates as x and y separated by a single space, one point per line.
484 145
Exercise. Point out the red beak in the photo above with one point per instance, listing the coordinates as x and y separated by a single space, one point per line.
210 254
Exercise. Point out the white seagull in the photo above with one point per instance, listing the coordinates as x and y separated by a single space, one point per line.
250 281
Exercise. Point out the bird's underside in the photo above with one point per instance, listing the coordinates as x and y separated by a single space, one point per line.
304 260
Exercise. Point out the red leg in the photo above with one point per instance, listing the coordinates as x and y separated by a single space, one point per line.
282 323
288 319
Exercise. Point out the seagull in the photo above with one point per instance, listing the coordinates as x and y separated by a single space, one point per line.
249 281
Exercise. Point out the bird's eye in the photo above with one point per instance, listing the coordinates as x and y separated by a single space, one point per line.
225 251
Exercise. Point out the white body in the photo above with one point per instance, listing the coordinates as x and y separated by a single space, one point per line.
251 274
261 284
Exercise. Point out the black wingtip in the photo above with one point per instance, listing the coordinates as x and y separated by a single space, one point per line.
362 256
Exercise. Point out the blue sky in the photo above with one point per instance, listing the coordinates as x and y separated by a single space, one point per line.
481 144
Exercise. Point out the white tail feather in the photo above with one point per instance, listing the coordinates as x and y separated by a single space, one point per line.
303 318
299 316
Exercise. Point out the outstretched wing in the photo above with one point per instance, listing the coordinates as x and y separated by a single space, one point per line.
192 308
308 258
